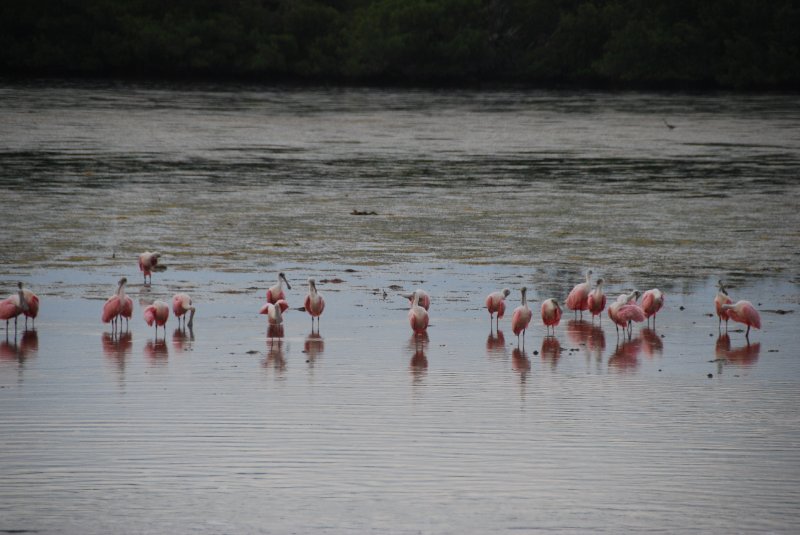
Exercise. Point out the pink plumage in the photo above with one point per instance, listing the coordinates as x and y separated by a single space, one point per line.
417 316
522 315
551 312
652 301
496 303
10 307
578 298
744 312
157 313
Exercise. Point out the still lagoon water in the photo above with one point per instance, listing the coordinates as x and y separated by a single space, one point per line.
363 427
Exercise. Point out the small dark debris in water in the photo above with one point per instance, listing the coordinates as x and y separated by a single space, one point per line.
252 352
307 361
395 287
709 315
351 270
336 280
535 352
710 375
736 375
303 351
363 212
682 308
662 336
659 369
772 351
359 305
301 309
711 334
779 311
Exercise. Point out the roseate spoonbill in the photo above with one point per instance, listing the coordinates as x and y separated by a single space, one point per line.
627 314
181 304
551 314
274 311
743 312
417 315
12 306
275 293
652 301
157 313
722 299
496 303
118 306
521 317
596 301
577 299
147 261
314 303
32 300
622 301
424 298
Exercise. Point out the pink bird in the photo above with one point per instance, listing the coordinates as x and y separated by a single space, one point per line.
720 300
118 306
596 301
616 308
32 301
743 312
578 298
12 306
496 304
551 314
652 301
147 261
157 313
314 303
275 293
521 317
181 304
417 315
274 311
424 298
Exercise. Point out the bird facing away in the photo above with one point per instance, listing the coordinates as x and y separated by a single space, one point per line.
578 298
275 293
521 317
551 314
744 312
118 306
417 315
720 300
158 314
652 301
181 304
496 304
596 301
274 311
12 306
147 261
314 303
424 298
32 302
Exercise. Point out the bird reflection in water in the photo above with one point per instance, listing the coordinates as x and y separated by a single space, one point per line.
579 331
313 347
520 363
182 339
418 343
551 350
496 345
19 350
626 355
276 358
745 355
157 350
652 344
117 347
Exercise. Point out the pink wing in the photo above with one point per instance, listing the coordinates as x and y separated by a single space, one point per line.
748 312
111 309
283 304
520 320
150 314
578 297
9 308
127 307
628 313
33 304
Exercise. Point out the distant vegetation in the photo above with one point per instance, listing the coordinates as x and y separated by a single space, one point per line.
617 43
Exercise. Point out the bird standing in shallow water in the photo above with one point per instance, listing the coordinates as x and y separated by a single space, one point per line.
275 293
496 304
314 303
12 306
744 312
157 313
274 311
720 300
551 314
521 317
32 302
118 306
417 315
147 261
578 298
652 301
596 300
181 304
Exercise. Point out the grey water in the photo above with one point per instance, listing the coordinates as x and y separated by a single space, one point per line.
363 427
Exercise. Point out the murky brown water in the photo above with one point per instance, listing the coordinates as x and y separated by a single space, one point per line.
364 429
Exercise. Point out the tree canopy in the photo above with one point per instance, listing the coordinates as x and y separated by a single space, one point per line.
628 43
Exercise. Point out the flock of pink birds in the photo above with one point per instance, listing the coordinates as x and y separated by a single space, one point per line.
624 312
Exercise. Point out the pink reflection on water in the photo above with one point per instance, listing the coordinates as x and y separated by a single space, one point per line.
496 345
745 355
626 356
182 339
117 346
652 344
551 351
26 347
157 351
314 346
418 365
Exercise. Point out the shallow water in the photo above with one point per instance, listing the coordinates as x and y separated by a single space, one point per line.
224 430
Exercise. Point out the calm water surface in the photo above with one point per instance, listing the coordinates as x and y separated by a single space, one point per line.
363 428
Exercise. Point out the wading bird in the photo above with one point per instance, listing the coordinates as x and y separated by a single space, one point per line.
551 314
720 300
32 302
157 313
596 301
12 306
625 310
521 317
652 301
118 306
181 304
147 261
417 315
424 298
314 303
496 304
274 311
578 298
744 312
275 293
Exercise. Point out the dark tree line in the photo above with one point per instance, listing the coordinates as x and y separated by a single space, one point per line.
636 43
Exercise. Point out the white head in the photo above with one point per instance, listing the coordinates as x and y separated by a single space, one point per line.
506 292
